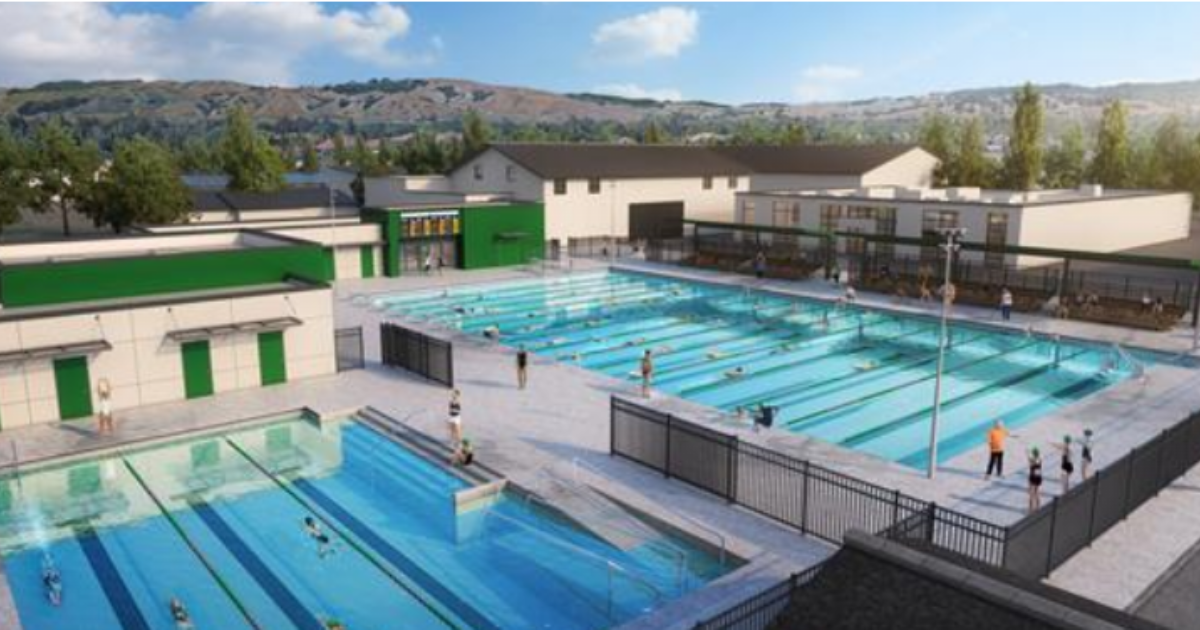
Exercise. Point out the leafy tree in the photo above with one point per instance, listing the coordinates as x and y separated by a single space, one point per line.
971 166
793 134
251 162
654 134
143 186
1174 158
14 178
935 137
1111 163
310 162
64 171
1065 160
476 132
341 157
197 156
1023 160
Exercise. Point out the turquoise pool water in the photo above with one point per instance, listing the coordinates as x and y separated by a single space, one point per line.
217 522
848 375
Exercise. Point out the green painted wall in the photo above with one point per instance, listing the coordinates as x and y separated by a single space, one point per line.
272 360
197 369
330 263
367 260
74 387
498 236
389 223
77 281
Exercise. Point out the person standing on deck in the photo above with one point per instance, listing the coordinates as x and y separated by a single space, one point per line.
1085 454
760 265
1068 463
454 421
1035 479
522 367
995 440
1006 304
647 373
105 417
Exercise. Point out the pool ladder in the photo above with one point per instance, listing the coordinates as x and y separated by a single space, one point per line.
1138 367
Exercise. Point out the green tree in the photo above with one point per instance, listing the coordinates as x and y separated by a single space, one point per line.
793 134
1023 159
1065 160
476 132
1111 163
251 162
341 157
971 166
310 162
14 177
197 156
1174 158
936 137
652 133
143 186
64 170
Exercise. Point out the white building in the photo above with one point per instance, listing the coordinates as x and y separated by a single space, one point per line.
1087 219
643 191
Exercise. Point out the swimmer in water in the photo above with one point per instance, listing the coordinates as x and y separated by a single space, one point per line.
736 372
52 580
714 354
866 366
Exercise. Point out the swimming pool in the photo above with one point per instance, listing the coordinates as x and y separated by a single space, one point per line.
852 376
217 522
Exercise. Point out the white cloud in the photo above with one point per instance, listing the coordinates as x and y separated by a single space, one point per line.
828 72
825 82
257 43
661 33
633 90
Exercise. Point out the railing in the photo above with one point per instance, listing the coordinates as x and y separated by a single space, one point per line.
759 611
417 352
348 347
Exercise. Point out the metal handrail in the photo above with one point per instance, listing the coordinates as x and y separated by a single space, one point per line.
577 463
1139 368
610 565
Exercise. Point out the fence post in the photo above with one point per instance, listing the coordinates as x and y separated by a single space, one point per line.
731 478
667 449
1050 540
895 508
930 521
804 498
612 426
1095 481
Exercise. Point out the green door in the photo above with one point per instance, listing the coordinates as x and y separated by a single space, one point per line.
272 363
197 369
74 388
367 252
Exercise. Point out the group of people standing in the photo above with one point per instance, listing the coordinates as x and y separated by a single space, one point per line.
998 434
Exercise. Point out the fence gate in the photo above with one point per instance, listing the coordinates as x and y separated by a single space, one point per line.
348 346
417 352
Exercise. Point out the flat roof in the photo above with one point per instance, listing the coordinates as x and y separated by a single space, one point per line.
138 245
963 196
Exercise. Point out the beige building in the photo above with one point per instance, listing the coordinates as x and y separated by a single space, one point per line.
1087 219
644 191
160 317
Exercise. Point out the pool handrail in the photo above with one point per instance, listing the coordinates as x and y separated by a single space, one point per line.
578 463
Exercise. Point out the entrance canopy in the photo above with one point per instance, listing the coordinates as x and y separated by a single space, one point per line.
224 330
61 351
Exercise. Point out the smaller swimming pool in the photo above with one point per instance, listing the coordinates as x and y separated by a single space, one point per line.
217 522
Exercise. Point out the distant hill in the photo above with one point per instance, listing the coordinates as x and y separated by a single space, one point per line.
394 106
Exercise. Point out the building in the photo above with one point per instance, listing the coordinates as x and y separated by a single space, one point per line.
161 317
645 191
1087 219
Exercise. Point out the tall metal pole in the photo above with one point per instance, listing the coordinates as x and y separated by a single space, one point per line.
951 246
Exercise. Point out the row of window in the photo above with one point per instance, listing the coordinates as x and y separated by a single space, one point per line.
593 183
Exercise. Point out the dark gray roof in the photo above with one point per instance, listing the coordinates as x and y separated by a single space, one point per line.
578 161
286 199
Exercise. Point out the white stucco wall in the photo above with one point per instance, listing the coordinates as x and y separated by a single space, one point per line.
913 169
144 367
1106 225
493 171
768 181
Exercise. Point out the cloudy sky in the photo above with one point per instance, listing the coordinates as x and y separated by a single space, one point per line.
731 53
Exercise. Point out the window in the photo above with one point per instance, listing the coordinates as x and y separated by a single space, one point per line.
510 173
732 182
560 186
785 214
997 238
593 185
885 225
707 183
478 172
931 222
746 212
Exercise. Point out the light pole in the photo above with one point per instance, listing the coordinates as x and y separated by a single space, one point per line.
950 247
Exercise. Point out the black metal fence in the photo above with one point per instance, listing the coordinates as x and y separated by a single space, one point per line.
1045 539
417 352
813 499
758 612
348 347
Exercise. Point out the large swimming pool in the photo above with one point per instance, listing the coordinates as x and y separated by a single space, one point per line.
852 376
217 522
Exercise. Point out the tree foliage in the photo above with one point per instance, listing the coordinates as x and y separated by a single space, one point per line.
1111 163
64 171
935 136
1023 159
1065 166
252 164
14 177
143 186
476 132
971 166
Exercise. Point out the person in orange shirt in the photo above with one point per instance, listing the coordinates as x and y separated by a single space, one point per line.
995 440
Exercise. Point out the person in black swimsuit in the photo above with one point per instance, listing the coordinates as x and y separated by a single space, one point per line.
1068 463
1085 454
522 367
1035 479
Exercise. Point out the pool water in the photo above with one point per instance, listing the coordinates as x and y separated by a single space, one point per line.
852 376
217 522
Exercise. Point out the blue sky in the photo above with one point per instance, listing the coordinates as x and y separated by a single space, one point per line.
727 52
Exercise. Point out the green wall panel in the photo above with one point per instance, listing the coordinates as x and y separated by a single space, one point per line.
197 369
498 236
367 257
77 281
74 387
272 358
389 223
